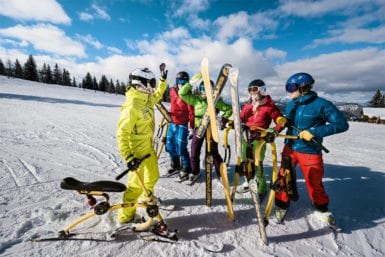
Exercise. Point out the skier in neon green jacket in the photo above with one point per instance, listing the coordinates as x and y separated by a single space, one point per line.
199 102
135 134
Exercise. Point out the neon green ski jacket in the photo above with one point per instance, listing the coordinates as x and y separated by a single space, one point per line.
136 126
200 104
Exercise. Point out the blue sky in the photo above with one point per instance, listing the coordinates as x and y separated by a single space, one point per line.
341 43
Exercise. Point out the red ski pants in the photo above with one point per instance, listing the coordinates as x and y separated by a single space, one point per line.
312 169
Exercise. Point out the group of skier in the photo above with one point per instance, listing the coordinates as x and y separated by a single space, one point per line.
307 116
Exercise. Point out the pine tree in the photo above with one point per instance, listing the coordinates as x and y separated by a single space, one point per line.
49 77
111 88
57 75
9 69
103 84
376 99
2 68
30 70
74 82
95 85
18 70
123 88
87 81
42 74
66 78
382 101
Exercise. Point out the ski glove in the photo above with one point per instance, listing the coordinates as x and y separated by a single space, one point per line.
195 78
306 135
133 164
271 133
163 72
281 121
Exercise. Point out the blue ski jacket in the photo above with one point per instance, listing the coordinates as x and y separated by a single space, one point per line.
317 115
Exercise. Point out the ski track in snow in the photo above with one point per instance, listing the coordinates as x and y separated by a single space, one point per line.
71 132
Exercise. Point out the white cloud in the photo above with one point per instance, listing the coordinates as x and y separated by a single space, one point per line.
91 41
186 54
272 53
100 13
41 10
176 34
188 7
46 38
339 73
85 16
114 50
306 8
353 35
242 24
95 12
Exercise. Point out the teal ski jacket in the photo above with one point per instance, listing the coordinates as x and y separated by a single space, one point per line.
317 115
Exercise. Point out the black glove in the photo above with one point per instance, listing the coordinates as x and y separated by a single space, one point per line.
223 122
271 133
133 164
163 72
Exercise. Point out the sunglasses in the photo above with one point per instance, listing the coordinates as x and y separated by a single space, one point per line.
291 87
181 81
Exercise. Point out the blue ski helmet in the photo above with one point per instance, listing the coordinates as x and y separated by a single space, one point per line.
302 81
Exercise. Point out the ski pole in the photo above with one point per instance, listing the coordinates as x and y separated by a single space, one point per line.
128 170
313 140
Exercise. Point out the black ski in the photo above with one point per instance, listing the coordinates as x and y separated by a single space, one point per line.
47 239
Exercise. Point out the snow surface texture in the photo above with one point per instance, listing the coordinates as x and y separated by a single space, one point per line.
374 112
49 132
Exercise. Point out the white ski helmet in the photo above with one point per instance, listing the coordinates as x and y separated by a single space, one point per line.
144 78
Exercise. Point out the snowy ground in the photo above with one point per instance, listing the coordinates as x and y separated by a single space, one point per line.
374 112
50 132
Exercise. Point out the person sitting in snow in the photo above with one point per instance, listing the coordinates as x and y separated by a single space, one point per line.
311 118
135 132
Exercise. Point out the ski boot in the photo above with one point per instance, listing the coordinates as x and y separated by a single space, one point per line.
175 166
161 229
280 214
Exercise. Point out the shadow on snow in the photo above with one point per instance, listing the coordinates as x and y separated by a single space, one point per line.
53 100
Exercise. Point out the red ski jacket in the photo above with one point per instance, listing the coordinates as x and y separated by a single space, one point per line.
262 117
181 112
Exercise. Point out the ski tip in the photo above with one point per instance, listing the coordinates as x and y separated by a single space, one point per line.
205 61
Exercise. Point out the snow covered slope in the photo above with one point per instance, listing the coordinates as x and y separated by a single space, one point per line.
49 132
